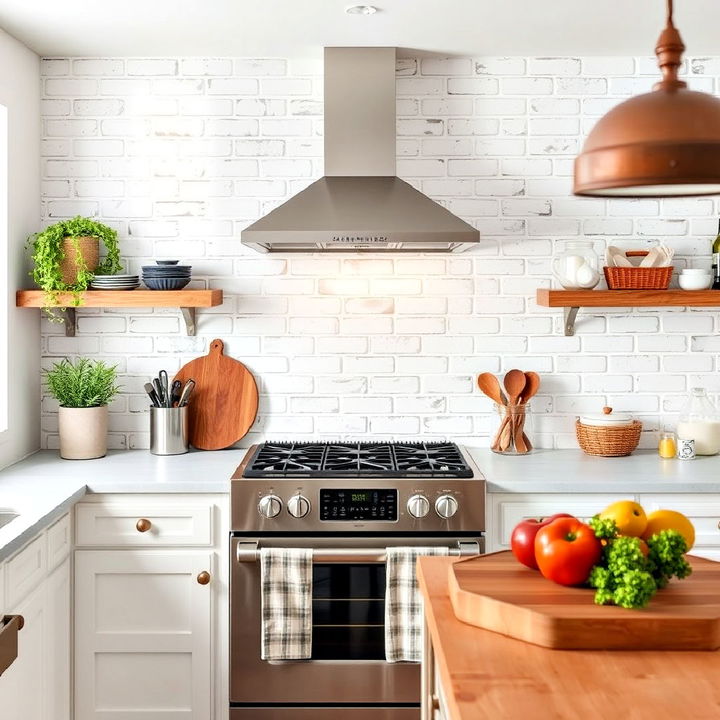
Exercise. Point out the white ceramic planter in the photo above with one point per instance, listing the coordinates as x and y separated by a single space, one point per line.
83 432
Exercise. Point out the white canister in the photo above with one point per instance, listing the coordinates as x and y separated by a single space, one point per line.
83 432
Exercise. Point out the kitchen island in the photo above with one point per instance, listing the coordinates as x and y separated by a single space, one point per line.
474 674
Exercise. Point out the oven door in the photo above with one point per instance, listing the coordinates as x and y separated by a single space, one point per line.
348 660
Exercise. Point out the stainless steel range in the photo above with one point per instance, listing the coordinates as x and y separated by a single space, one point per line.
348 502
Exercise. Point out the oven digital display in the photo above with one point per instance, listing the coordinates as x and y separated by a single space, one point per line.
358 505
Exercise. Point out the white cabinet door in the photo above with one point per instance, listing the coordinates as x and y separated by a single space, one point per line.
57 647
23 686
142 635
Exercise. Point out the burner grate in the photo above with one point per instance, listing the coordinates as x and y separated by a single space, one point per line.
358 459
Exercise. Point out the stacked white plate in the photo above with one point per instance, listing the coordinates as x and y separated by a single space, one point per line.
115 282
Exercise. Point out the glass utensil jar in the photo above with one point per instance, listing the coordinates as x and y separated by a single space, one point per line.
511 434
575 265
699 421
667 446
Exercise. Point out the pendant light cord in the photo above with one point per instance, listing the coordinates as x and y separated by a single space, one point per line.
669 50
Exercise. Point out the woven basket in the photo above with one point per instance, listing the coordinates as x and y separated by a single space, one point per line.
638 278
608 440
89 248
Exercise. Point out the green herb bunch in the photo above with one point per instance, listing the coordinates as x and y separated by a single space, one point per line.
47 254
626 576
86 383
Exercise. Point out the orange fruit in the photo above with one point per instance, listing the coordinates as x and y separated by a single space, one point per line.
670 520
629 517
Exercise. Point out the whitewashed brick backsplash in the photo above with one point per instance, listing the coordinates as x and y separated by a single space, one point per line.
180 154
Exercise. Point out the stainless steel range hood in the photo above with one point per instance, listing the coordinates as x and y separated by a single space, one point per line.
360 204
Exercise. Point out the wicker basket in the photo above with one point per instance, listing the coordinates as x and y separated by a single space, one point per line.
638 278
608 440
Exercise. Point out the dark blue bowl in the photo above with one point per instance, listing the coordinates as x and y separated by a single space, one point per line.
165 283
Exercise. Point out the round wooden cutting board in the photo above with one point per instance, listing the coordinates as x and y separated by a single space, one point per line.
223 404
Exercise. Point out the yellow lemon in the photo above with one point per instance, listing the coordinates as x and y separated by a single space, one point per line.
670 520
629 517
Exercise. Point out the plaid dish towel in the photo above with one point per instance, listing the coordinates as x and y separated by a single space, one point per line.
403 603
286 575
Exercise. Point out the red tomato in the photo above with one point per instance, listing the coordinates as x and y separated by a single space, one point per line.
566 550
522 540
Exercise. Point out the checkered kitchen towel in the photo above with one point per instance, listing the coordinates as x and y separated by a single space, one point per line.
403 603
286 575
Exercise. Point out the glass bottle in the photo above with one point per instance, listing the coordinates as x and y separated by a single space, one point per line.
699 421
716 261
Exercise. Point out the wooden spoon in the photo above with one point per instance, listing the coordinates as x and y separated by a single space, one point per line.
532 384
490 385
514 385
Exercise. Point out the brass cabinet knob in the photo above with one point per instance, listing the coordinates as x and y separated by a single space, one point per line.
143 525
203 578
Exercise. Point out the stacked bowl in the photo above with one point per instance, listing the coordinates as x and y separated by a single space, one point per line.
115 282
166 275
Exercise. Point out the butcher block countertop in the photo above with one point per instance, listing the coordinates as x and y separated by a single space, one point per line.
485 675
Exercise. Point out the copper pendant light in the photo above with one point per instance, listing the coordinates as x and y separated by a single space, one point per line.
665 143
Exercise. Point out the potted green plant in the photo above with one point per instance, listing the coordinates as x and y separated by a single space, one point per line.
66 257
83 389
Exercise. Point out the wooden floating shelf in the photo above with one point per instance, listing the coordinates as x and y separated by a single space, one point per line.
186 300
573 300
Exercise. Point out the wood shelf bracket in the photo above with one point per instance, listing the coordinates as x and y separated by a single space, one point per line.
569 317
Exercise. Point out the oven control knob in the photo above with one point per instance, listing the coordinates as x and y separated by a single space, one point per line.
298 506
446 506
270 506
418 506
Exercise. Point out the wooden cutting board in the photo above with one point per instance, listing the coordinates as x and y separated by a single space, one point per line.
497 593
224 403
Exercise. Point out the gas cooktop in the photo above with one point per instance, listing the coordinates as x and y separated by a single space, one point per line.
358 460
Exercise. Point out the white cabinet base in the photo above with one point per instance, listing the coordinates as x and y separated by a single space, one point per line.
143 631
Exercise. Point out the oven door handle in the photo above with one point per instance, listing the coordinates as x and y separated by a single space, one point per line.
250 552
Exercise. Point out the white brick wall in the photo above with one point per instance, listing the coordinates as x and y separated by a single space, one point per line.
179 154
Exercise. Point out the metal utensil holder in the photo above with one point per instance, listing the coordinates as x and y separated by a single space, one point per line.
169 431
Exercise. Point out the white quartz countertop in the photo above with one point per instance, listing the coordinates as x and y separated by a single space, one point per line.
572 471
43 486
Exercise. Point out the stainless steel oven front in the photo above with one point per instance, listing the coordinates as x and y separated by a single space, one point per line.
347 675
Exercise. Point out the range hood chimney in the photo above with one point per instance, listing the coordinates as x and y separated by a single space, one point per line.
360 204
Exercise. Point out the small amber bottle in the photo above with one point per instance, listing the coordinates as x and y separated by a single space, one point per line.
667 447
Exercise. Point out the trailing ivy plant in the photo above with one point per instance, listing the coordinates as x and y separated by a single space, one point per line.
47 254
86 383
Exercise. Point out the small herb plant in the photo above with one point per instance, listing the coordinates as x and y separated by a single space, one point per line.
47 254
86 383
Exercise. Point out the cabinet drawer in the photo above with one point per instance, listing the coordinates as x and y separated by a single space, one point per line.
143 524
24 571
509 512
58 542
703 511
